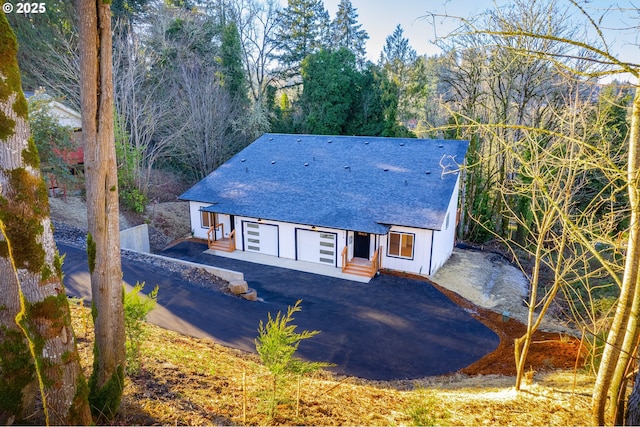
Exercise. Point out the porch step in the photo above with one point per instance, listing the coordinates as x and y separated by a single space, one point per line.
358 270
221 245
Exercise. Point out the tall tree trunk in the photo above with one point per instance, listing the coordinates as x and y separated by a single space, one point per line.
103 241
632 414
31 267
18 382
619 380
616 337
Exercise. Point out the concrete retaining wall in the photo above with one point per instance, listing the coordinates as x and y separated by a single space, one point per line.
224 274
136 239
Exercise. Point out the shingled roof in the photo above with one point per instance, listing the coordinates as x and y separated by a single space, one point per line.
345 182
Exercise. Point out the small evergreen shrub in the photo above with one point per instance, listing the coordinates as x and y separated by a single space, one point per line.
276 344
137 307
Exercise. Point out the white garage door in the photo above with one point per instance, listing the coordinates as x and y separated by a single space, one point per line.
261 238
316 246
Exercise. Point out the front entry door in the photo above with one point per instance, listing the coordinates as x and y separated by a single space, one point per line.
361 244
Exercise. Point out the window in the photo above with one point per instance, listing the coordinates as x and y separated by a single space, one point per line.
400 245
206 219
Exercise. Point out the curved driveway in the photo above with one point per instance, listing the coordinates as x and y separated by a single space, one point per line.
390 328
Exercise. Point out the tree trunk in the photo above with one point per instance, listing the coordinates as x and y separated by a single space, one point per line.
633 404
31 267
618 382
103 241
611 354
18 383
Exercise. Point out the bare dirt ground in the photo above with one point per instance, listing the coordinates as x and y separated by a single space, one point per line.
488 280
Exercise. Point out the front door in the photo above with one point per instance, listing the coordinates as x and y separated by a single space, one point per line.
227 222
361 244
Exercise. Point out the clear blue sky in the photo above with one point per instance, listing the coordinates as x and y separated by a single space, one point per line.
380 17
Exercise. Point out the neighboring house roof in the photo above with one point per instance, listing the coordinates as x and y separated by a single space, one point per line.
65 116
353 183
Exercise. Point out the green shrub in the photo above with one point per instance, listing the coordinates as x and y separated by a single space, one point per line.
137 307
133 199
423 410
276 344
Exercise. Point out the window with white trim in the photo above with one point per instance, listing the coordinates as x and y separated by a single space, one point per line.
400 245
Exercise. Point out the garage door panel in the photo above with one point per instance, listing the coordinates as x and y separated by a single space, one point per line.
262 238
316 246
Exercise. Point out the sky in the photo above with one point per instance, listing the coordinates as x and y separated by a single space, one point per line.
380 17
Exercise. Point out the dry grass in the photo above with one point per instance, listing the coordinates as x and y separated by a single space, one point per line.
187 381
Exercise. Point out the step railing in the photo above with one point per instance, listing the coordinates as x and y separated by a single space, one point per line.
232 241
376 264
344 259
211 236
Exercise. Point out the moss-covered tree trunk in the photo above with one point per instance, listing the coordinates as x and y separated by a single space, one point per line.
18 384
31 267
103 241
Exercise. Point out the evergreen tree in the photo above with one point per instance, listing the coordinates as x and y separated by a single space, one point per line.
397 54
303 25
347 32
338 99
128 10
36 335
403 67
231 60
329 91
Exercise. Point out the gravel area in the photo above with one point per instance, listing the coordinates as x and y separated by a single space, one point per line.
488 280
76 237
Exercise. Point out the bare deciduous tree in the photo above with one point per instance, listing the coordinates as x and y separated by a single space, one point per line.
257 23
147 120
210 113
593 59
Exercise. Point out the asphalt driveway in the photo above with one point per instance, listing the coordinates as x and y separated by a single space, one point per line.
390 328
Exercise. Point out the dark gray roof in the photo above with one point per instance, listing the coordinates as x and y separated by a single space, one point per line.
346 182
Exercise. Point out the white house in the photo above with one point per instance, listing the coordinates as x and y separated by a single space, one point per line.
355 203
64 115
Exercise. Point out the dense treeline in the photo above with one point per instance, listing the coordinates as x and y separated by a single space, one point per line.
195 81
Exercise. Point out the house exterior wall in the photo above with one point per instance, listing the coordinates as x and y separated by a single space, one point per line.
419 263
431 249
444 239
287 236
196 229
